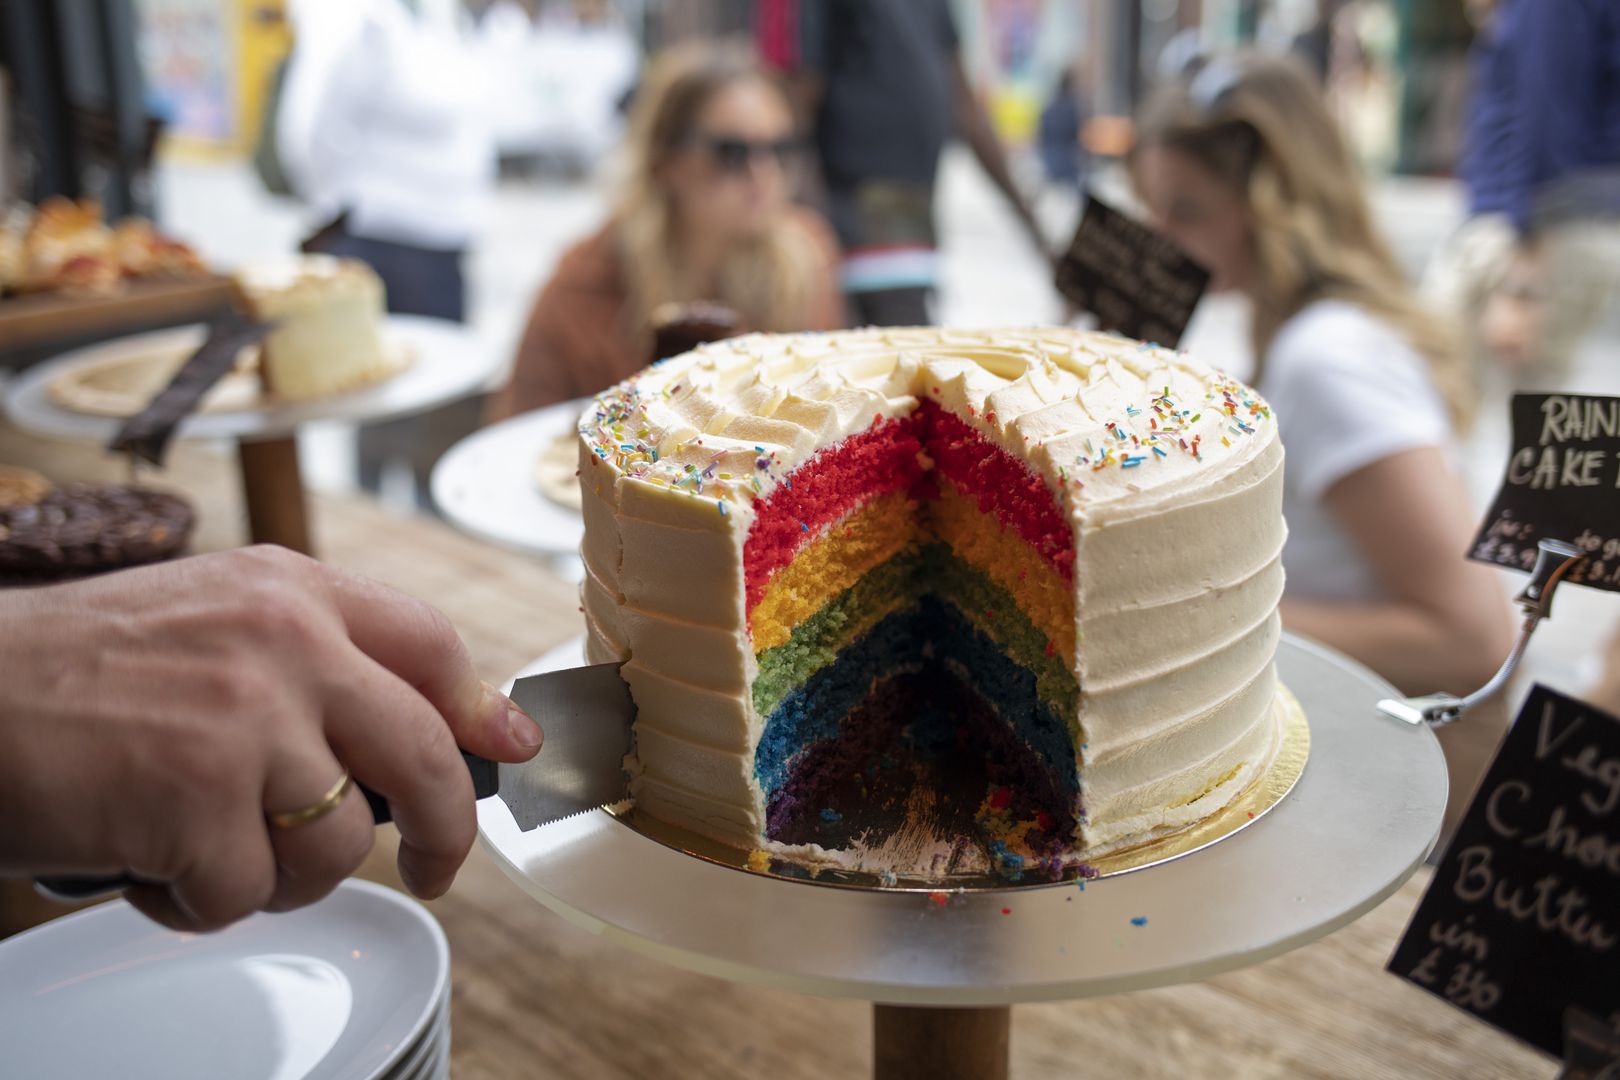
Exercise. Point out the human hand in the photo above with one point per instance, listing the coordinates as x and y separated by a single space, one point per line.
1512 323
150 719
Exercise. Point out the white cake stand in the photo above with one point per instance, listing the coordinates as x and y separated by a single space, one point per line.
1361 819
486 486
447 362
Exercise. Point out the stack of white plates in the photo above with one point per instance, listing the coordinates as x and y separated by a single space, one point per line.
356 987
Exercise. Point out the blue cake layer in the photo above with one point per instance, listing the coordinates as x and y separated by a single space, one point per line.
1010 688
814 712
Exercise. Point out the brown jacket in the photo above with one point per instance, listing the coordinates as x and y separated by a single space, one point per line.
577 341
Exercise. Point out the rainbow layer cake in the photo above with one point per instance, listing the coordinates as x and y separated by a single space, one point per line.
1035 570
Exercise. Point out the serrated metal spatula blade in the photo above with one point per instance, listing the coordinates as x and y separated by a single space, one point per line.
585 713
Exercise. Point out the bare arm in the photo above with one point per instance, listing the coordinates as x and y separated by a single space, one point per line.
1445 625
974 126
1605 693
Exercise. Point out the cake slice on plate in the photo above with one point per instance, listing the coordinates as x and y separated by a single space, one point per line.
328 314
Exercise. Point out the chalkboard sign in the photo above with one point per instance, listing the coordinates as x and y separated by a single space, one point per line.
1562 483
1522 919
1131 278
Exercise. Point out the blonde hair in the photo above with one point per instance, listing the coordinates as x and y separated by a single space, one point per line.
1259 123
768 279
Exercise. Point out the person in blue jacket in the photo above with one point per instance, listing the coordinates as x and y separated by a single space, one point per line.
1538 260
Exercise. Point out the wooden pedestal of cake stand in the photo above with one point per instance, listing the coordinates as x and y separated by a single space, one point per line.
944 970
273 491
911 1042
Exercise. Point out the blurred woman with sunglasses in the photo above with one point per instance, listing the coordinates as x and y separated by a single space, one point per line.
1241 164
705 216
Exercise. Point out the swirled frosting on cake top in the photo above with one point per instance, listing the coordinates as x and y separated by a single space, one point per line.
1106 418
1117 503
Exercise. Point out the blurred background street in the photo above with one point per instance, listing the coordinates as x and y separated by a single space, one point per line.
396 245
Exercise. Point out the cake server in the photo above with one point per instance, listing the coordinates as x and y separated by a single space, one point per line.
585 713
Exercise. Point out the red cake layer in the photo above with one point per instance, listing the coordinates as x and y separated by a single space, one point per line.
1003 485
881 459
884 458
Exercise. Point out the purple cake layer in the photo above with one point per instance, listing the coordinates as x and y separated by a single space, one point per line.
925 727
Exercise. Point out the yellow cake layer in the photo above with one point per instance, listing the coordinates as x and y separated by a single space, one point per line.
831 563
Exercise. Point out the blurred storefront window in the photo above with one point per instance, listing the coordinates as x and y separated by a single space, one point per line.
208 67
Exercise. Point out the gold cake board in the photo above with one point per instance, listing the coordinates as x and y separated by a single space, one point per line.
1290 752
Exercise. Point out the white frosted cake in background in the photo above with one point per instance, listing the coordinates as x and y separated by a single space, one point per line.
328 314
1038 568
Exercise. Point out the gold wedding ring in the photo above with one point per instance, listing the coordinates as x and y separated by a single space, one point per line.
329 802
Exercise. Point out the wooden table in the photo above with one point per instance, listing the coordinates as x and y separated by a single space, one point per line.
535 997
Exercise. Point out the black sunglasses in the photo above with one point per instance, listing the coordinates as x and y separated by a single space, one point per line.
734 155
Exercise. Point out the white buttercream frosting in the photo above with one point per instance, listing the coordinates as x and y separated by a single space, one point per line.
1169 473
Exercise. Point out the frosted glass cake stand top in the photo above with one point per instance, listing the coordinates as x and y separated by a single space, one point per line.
485 485
1362 818
446 362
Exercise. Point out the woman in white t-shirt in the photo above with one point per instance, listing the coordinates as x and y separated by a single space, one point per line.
1240 163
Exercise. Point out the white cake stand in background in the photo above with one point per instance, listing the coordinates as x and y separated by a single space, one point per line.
447 362
945 969
486 486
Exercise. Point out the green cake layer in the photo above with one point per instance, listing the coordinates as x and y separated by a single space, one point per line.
903 580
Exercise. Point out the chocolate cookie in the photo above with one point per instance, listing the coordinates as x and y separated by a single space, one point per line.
83 529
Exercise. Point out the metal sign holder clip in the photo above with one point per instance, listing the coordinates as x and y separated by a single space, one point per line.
1554 559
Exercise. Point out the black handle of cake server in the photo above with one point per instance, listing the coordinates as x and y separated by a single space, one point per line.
73 888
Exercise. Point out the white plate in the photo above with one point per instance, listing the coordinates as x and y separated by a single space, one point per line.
340 990
435 1062
447 362
436 1068
419 1058
486 483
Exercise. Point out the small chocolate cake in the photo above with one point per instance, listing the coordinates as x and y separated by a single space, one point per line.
82 529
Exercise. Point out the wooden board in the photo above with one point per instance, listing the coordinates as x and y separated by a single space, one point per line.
42 318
